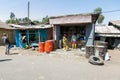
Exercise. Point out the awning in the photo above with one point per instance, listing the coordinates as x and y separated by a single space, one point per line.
108 35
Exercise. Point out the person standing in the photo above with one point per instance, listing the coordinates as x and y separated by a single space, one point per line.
24 41
73 40
7 43
65 42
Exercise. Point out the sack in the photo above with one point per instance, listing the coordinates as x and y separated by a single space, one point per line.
107 57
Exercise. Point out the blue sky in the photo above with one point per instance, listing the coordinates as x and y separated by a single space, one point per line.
41 8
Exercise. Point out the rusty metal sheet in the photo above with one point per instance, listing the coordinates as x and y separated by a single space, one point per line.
72 19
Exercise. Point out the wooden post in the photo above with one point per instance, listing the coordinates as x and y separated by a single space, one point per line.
39 34
28 37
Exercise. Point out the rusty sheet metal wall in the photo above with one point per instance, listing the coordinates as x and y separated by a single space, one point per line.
76 19
49 34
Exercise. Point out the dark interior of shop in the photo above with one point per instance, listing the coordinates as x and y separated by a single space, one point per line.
79 31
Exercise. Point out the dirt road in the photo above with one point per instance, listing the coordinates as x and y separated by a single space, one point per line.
59 65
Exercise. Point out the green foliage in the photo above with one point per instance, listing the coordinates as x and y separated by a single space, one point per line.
45 20
26 20
98 10
14 20
101 17
11 21
18 20
36 22
12 16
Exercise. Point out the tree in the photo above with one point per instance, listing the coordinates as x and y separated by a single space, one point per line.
36 22
101 17
12 19
12 16
98 10
19 20
26 20
45 20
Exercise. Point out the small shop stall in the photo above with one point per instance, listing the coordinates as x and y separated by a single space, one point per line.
82 25
34 34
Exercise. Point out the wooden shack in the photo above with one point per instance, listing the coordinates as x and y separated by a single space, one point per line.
4 28
116 24
109 34
34 34
82 25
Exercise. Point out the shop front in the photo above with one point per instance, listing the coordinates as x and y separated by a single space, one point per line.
82 25
34 35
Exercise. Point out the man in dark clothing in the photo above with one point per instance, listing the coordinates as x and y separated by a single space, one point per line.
6 42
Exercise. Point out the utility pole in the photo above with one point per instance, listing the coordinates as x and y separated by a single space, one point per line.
28 12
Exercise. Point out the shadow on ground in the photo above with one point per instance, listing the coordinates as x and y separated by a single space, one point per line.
5 60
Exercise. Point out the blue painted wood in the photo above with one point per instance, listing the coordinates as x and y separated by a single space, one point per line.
43 35
17 38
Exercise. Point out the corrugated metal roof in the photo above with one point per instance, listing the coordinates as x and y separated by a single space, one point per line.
106 29
5 26
116 22
30 27
16 26
108 35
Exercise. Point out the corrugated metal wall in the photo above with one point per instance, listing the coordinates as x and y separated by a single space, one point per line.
49 33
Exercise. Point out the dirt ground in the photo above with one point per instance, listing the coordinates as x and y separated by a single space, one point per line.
72 54
27 64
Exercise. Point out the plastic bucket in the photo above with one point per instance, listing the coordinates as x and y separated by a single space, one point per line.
48 46
41 47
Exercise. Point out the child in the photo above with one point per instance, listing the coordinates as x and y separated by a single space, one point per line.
73 40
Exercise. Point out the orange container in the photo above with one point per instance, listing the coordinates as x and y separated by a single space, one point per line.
48 46
41 47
